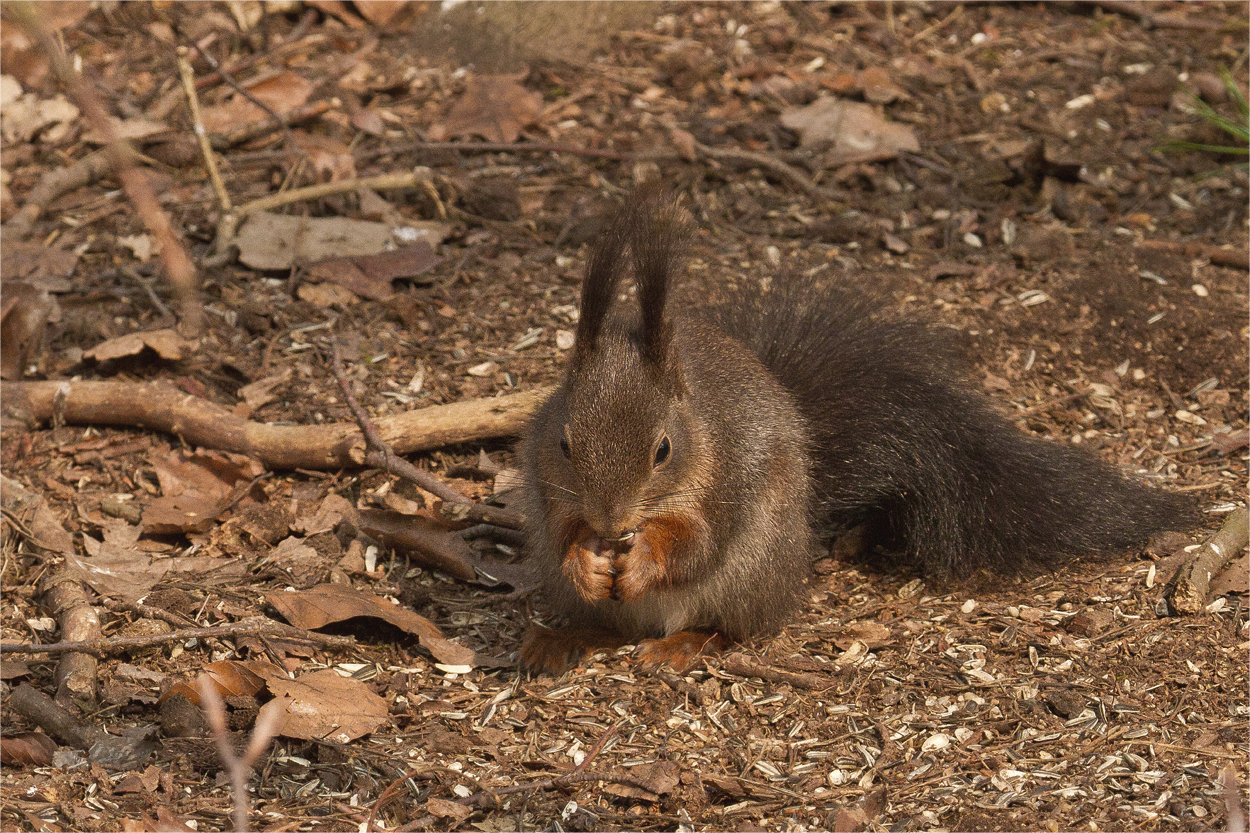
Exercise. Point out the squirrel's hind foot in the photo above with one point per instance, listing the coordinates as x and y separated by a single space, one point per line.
555 650
679 650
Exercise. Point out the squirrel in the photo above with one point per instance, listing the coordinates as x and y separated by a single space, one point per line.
674 481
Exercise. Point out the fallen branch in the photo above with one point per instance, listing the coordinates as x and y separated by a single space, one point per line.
740 665
777 166
1236 258
1187 591
66 599
109 645
61 590
44 712
54 183
196 421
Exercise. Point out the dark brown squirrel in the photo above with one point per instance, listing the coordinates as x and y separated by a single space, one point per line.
675 478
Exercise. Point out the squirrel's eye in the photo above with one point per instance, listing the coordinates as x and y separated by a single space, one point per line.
663 451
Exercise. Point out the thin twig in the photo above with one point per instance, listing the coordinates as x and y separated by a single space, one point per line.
786 171
248 132
268 722
380 453
109 645
56 182
513 147
1187 591
383 182
238 88
201 135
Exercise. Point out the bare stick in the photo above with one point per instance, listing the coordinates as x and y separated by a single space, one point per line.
201 135
1236 258
268 722
63 593
386 458
782 169
484 514
118 644
178 266
1187 591
52 185
197 421
486 796
229 222
248 132
513 147
740 665
45 713
382 182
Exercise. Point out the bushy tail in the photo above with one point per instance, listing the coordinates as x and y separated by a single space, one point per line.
903 443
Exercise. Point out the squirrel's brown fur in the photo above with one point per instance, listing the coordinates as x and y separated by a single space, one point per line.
673 479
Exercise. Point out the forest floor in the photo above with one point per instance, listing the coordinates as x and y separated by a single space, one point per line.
996 168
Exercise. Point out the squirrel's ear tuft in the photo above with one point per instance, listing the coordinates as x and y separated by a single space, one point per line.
603 273
658 232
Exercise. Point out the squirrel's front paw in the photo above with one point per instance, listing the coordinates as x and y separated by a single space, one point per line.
589 566
639 569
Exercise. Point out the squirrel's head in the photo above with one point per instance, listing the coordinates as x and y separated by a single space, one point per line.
621 435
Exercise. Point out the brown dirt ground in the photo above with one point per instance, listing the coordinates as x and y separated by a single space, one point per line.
1064 702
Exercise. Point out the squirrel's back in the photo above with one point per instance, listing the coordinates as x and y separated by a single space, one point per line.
902 443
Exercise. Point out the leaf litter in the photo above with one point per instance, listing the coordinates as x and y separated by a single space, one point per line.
1067 701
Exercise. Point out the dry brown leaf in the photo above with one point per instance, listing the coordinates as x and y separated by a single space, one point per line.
134 128
43 266
229 678
444 809
381 12
26 749
23 116
338 9
142 245
660 777
324 705
175 514
260 392
370 276
494 107
331 159
329 515
166 343
281 93
279 241
858 816
1233 580
872 634
326 295
849 129
328 603
879 87
369 120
